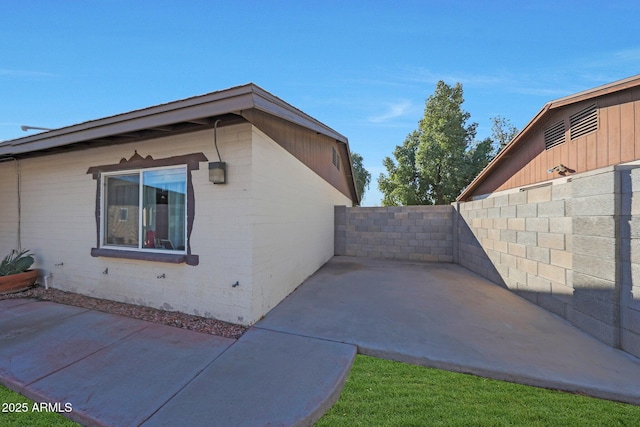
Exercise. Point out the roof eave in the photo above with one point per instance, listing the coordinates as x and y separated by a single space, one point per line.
198 109
268 103
232 100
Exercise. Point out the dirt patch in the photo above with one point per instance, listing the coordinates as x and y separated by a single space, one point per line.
170 318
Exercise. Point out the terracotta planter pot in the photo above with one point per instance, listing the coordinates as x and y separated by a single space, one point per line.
18 282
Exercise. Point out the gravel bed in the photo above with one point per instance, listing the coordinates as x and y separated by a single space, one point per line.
171 318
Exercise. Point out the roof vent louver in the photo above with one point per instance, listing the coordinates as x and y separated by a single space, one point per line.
554 135
584 122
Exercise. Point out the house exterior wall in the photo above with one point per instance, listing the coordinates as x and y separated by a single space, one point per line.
416 233
292 222
59 226
617 140
8 207
313 149
247 231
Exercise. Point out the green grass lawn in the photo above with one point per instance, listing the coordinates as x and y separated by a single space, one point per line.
384 393
17 411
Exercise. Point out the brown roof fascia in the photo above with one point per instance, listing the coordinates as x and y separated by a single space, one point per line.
616 86
232 100
225 101
265 101
151 117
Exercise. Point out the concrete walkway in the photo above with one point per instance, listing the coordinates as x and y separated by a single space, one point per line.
290 368
116 371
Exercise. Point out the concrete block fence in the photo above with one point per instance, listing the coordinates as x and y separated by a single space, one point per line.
521 240
416 233
571 246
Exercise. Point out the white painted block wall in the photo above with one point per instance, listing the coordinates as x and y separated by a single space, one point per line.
293 222
268 229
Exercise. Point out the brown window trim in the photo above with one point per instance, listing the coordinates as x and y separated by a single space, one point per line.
192 161
146 256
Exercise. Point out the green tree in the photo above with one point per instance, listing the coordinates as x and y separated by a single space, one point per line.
361 175
404 185
440 158
502 132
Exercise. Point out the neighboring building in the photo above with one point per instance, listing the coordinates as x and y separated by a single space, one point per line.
583 132
556 215
124 207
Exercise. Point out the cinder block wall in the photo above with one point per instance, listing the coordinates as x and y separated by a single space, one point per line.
596 274
521 240
572 248
416 233
629 253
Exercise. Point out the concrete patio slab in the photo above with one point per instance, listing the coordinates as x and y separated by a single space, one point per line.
126 382
266 378
442 315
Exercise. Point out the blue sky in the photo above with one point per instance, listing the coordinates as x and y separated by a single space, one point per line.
363 68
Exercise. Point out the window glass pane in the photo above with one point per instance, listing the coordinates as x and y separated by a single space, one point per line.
163 209
121 208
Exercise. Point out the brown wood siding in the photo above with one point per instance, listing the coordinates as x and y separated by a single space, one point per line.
617 140
627 127
313 149
636 122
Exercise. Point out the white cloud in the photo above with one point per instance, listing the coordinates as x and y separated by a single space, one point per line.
393 111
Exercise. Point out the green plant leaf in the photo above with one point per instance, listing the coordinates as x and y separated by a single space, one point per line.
16 262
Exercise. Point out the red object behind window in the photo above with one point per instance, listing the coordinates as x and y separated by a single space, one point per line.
150 241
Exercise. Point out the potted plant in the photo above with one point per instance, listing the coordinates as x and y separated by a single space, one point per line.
15 275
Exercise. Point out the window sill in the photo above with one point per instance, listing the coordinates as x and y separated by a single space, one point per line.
146 256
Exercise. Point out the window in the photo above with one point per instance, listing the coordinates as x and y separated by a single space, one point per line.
145 210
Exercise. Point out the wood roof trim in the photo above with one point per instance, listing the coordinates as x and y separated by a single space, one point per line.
232 100
616 86
268 103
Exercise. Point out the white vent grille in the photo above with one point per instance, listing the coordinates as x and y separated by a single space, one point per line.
554 135
584 122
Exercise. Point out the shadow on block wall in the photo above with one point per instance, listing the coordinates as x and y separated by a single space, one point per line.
472 255
628 255
573 248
